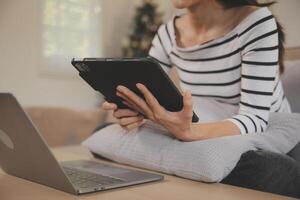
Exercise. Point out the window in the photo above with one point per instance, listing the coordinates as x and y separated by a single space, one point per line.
70 28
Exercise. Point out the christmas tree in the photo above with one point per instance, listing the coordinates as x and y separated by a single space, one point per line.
146 22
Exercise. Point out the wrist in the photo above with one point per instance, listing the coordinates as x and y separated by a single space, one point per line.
194 133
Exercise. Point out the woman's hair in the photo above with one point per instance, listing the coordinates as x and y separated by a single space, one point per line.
281 36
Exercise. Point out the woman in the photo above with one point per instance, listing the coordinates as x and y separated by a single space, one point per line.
232 56
229 52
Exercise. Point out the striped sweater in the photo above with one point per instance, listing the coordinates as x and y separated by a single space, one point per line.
239 68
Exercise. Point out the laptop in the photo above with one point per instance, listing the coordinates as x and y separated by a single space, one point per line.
25 154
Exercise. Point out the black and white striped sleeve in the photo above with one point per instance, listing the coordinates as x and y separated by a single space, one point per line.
161 48
259 49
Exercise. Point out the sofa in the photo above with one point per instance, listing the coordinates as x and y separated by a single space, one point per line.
291 84
65 126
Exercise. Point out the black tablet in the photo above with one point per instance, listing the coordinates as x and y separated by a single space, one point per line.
105 74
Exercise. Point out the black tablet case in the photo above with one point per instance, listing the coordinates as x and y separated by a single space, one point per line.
105 74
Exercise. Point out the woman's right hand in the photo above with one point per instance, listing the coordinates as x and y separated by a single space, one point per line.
127 118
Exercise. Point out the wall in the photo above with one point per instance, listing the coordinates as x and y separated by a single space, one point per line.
287 12
119 15
20 67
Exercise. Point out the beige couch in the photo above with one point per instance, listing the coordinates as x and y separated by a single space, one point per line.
63 126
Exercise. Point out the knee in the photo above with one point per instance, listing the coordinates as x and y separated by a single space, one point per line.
266 171
267 162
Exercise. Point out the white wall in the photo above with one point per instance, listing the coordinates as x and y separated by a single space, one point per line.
288 13
20 68
119 15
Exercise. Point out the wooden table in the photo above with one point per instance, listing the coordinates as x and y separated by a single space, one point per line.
12 188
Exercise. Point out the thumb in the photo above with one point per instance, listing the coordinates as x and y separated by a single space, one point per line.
187 104
109 106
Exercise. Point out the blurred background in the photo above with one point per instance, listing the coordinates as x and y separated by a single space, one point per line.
38 39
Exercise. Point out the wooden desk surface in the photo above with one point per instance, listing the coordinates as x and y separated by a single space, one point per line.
12 188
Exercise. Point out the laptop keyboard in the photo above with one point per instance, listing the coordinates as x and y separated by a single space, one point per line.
84 179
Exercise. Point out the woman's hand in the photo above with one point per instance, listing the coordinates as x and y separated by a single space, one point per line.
127 118
177 123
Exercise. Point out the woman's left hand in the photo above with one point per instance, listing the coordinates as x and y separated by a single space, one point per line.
177 123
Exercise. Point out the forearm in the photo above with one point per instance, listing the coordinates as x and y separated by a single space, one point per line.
202 131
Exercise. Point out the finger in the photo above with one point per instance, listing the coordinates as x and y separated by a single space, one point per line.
150 99
187 104
133 108
135 125
109 106
135 100
129 103
126 100
125 113
130 120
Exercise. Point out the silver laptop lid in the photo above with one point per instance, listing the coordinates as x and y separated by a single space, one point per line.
23 151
